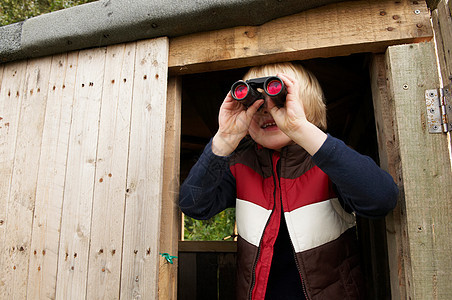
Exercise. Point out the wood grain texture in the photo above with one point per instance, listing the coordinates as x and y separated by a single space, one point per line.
51 178
22 193
11 92
171 216
426 172
111 172
81 159
140 257
389 153
80 174
333 30
442 25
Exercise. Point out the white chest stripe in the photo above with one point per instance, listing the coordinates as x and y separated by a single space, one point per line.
316 224
251 220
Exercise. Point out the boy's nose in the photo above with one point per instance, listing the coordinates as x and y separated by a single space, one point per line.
263 109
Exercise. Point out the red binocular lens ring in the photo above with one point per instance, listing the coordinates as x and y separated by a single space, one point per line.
240 91
273 87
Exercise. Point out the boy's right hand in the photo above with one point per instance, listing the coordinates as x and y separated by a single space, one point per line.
234 121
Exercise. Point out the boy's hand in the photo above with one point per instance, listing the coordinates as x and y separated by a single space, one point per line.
291 119
233 121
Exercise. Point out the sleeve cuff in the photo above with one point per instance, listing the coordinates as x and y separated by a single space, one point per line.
210 156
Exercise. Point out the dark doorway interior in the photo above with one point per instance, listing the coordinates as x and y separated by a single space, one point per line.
346 84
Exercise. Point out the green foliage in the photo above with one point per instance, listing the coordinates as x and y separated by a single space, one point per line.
218 228
12 11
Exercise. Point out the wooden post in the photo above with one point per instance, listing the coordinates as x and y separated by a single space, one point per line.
442 25
171 217
422 224
388 148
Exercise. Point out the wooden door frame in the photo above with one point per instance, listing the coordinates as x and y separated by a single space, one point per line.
304 36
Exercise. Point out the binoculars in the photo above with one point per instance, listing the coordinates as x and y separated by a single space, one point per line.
246 91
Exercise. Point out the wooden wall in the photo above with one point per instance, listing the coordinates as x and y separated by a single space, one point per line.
81 160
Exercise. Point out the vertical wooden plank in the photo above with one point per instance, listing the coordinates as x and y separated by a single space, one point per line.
426 173
79 182
442 25
10 100
22 192
52 170
171 217
111 170
389 152
140 259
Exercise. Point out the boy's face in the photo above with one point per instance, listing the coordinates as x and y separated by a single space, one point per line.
263 130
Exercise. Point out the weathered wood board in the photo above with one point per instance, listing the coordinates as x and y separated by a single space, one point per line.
11 89
171 216
425 177
388 145
442 25
140 265
51 178
332 30
24 177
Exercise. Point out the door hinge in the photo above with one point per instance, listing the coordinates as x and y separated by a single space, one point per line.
439 109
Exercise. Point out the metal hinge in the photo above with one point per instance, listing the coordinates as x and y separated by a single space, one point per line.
439 109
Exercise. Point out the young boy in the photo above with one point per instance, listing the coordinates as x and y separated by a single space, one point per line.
296 191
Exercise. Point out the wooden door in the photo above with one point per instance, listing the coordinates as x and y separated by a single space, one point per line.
81 160
419 229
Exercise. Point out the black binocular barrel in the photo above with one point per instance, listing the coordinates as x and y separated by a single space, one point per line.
274 87
246 91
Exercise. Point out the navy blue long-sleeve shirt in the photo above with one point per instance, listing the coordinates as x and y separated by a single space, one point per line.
364 187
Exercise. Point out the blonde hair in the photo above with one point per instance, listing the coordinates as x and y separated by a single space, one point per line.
311 93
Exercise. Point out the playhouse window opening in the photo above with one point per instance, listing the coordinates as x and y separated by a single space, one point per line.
346 85
345 82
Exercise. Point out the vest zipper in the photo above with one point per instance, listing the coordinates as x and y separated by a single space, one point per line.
303 285
253 281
